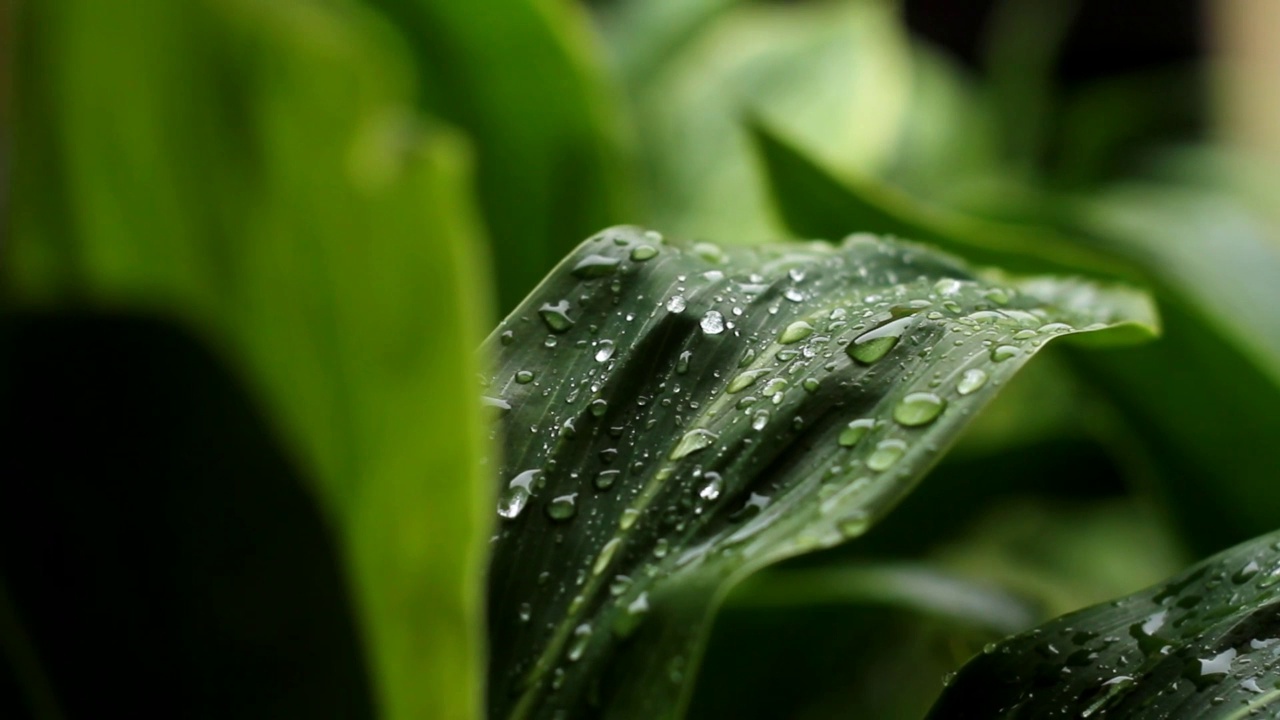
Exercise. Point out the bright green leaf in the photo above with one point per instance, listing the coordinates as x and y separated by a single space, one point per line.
1202 645
662 442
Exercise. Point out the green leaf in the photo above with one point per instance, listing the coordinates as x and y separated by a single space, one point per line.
526 81
255 172
1202 645
675 417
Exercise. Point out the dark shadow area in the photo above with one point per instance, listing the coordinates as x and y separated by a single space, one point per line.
161 553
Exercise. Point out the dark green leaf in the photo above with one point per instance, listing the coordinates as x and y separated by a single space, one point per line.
1205 644
676 417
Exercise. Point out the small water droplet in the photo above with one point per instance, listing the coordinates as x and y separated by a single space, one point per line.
661 548
682 362
507 337
972 381
692 442
524 377
810 385
853 524
745 380
874 344
713 488
604 350
887 453
594 266
640 253
752 507
855 431
578 645
606 555
709 252
563 508
760 420
556 316
712 323
606 478
619 585
918 408
676 304
1245 573
599 407
1000 353
795 332
525 612
516 495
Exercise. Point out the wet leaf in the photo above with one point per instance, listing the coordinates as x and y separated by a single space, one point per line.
699 413
1205 644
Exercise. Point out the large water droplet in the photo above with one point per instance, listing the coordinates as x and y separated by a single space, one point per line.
712 323
516 495
709 252
972 381
628 518
918 408
853 524
676 304
524 377
594 266
563 508
578 645
606 555
640 253
887 453
874 344
606 478
1000 353
745 380
1219 664
556 316
795 332
692 442
604 350
855 431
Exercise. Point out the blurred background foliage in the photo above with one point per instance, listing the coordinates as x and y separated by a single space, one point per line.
251 247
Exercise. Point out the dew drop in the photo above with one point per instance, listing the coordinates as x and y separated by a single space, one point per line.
713 488
709 252
972 381
661 548
853 524
563 508
874 344
745 380
810 385
598 407
676 304
692 442
525 612
594 266
760 420
855 431
752 507
1000 353
1245 573
682 362
606 555
628 518
507 337
556 316
712 323
578 645
795 332
606 478
887 453
604 350
524 377
516 495
640 253
919 408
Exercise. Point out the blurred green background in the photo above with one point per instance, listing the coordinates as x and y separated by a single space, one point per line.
251 246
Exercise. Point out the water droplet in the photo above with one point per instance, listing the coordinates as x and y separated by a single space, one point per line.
676 304
692 442
1245 573
563 508
855 431
661 548
810 384
507 337
795 332
619 585
594 266
1000 353
516 495
598 407
752 507
712 323
604 350
525 612
745 380
709 252
1056 327
628 518
556 316
606 555
524 377
578 645
760 420
640 253
498 404
874 344
972 381
998 296
918 408
1219 664
713 488
606 478
887 453
853 524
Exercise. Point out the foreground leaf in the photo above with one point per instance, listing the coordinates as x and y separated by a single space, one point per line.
1205 644
676 417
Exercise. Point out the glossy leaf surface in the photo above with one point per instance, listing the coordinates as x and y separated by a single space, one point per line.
1205 644
675 417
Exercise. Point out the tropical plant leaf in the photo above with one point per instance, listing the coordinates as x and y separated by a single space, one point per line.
256 173
1205 644
677 417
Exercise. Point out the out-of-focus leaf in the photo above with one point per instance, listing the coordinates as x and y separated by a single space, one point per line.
255 171
836 74
675 418
524 79
815 202
1202 645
